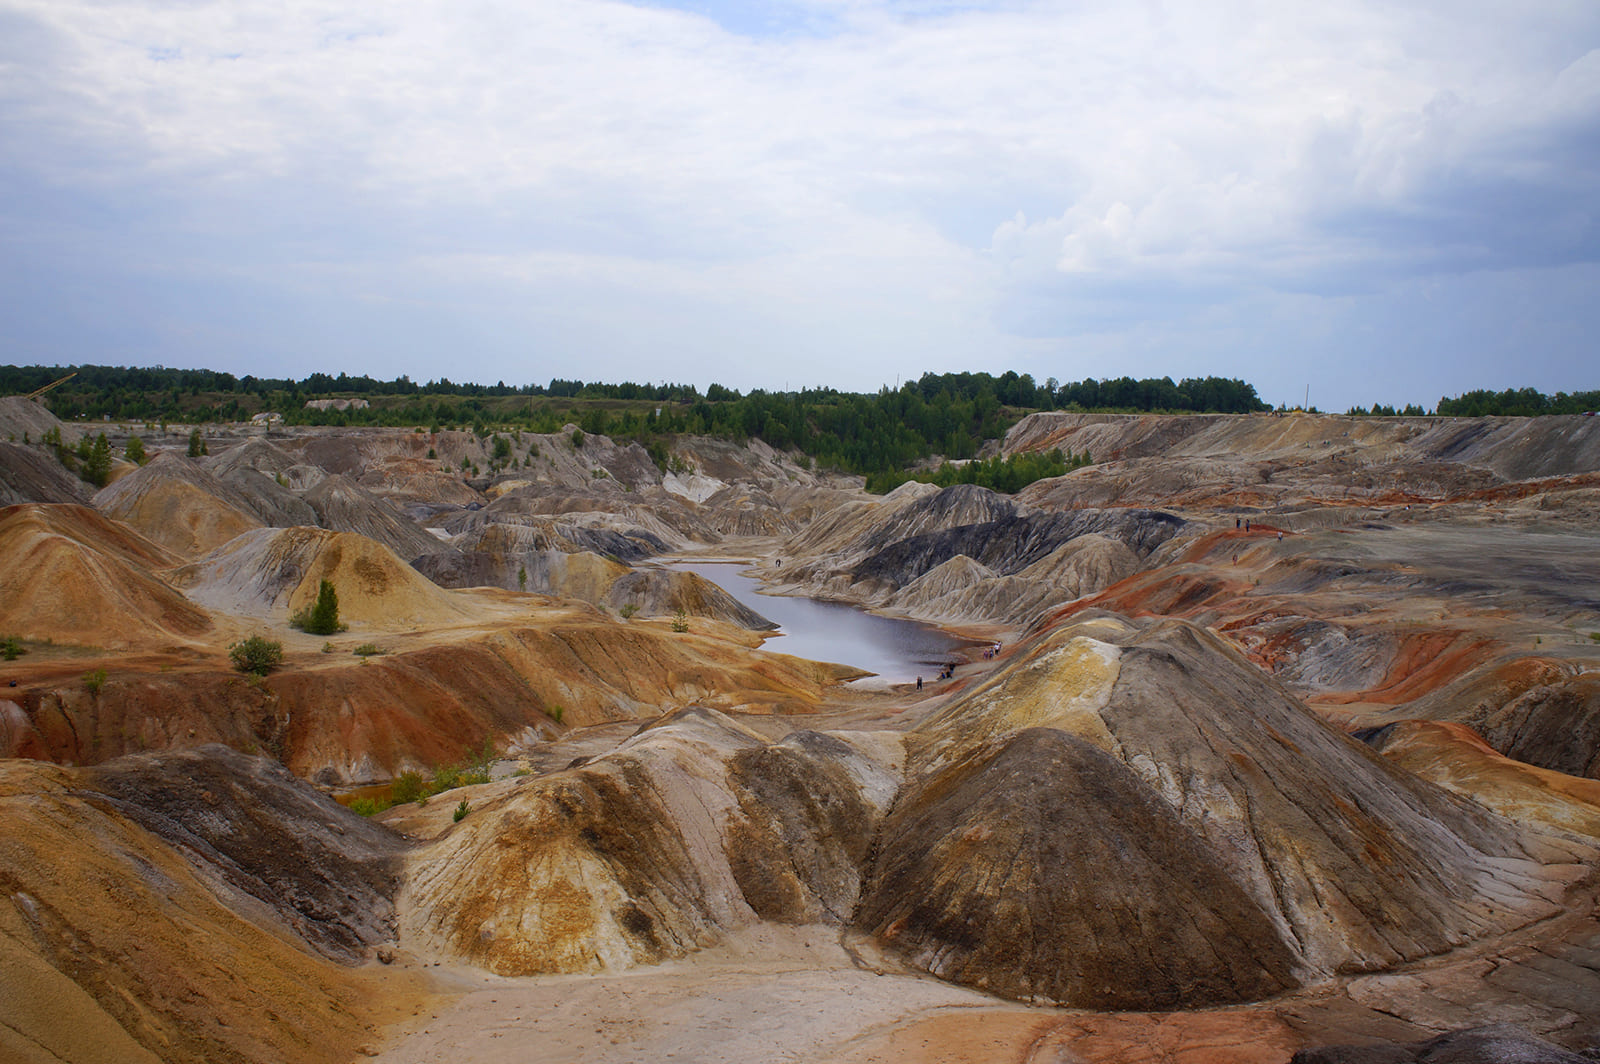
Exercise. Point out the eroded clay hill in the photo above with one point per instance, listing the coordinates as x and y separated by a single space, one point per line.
1293 740
1121 818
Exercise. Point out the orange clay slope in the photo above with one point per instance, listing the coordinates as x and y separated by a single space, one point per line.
70 575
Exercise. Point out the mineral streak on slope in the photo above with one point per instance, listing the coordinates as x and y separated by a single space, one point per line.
114 945
68 574
1540 710
1040 868
340 722
1346 863
345 506
1454 756
246 822
28 475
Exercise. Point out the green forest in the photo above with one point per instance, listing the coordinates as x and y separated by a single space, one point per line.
883 434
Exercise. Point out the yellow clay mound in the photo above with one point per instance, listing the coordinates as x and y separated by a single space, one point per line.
69 575
179 515
376 589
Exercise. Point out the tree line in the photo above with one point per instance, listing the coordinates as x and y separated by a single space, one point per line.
1518 402
871 434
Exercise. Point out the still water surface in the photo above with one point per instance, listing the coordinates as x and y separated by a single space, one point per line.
897 651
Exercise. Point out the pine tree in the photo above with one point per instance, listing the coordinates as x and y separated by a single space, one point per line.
97 465
323 617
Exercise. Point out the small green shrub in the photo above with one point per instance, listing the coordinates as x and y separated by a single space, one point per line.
364 807
11 648
95 680
134 451
445 777
680 620
1595 636
256 655
327 648
522 577
556 713
407 787
577 439
197 444
628 610
462 810
367 650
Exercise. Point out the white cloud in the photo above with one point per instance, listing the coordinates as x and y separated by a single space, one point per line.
912 184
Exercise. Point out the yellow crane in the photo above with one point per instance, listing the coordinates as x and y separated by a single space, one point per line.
40 391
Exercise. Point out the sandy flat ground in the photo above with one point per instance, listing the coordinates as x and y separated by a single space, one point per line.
768 994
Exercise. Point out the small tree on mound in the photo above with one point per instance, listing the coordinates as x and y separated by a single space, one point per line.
97 462
323 617
135 451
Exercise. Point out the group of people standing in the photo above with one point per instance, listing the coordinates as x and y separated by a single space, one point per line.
948 669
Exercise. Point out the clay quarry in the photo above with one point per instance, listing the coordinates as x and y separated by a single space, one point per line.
1290 750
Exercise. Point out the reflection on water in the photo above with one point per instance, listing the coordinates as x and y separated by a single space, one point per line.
898 651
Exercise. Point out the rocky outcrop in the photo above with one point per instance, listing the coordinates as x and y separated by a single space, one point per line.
1012 545
1041 868
962 589
1510 448
1456 757
501 533
1274 460
590 578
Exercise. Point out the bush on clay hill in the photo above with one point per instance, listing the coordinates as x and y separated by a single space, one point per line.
11 648
256 655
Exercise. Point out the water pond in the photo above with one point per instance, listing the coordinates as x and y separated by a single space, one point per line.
897 651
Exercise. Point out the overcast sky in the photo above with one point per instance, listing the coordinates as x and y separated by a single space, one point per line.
1377 200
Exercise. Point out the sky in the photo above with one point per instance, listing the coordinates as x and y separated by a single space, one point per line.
1363 201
